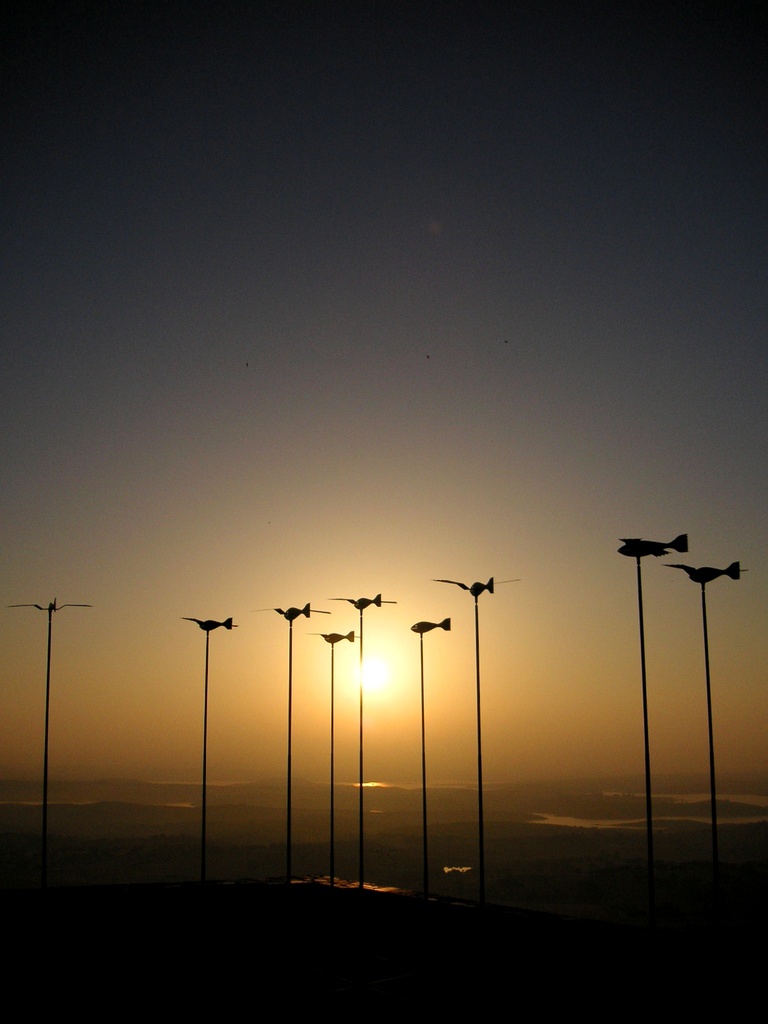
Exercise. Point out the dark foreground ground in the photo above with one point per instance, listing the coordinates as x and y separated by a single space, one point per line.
267 947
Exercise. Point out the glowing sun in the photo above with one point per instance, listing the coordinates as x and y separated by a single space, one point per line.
375 674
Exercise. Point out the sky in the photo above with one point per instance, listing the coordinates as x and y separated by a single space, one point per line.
331 300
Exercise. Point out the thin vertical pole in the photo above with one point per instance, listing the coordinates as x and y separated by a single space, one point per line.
713 796
648 809
205 759
333 868
480 824
423 771
288 794
360 794
44 862
52 607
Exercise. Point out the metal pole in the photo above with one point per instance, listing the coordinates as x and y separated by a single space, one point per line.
713 797
44 862
361 841
648 809
332 865
423 771
52 607
205 759
480 824
290 716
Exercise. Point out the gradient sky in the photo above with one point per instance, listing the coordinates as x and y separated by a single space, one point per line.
304 301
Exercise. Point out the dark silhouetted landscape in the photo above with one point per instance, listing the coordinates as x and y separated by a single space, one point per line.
124 863
553 847
124 859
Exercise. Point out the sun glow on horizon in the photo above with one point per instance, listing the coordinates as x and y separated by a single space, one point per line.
375 675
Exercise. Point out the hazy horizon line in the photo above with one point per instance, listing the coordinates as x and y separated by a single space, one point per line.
755 774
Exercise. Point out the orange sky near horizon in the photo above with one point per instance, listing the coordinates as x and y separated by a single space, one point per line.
560 685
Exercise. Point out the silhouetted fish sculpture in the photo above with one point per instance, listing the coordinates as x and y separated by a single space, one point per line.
706 573
475 589
634 547
209 624
333 638
293 613
425 627
363 602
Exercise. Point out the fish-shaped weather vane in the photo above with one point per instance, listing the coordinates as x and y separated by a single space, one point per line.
334 638
706 573
424 627
635 547
209 624
361 603
476 589
291 614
